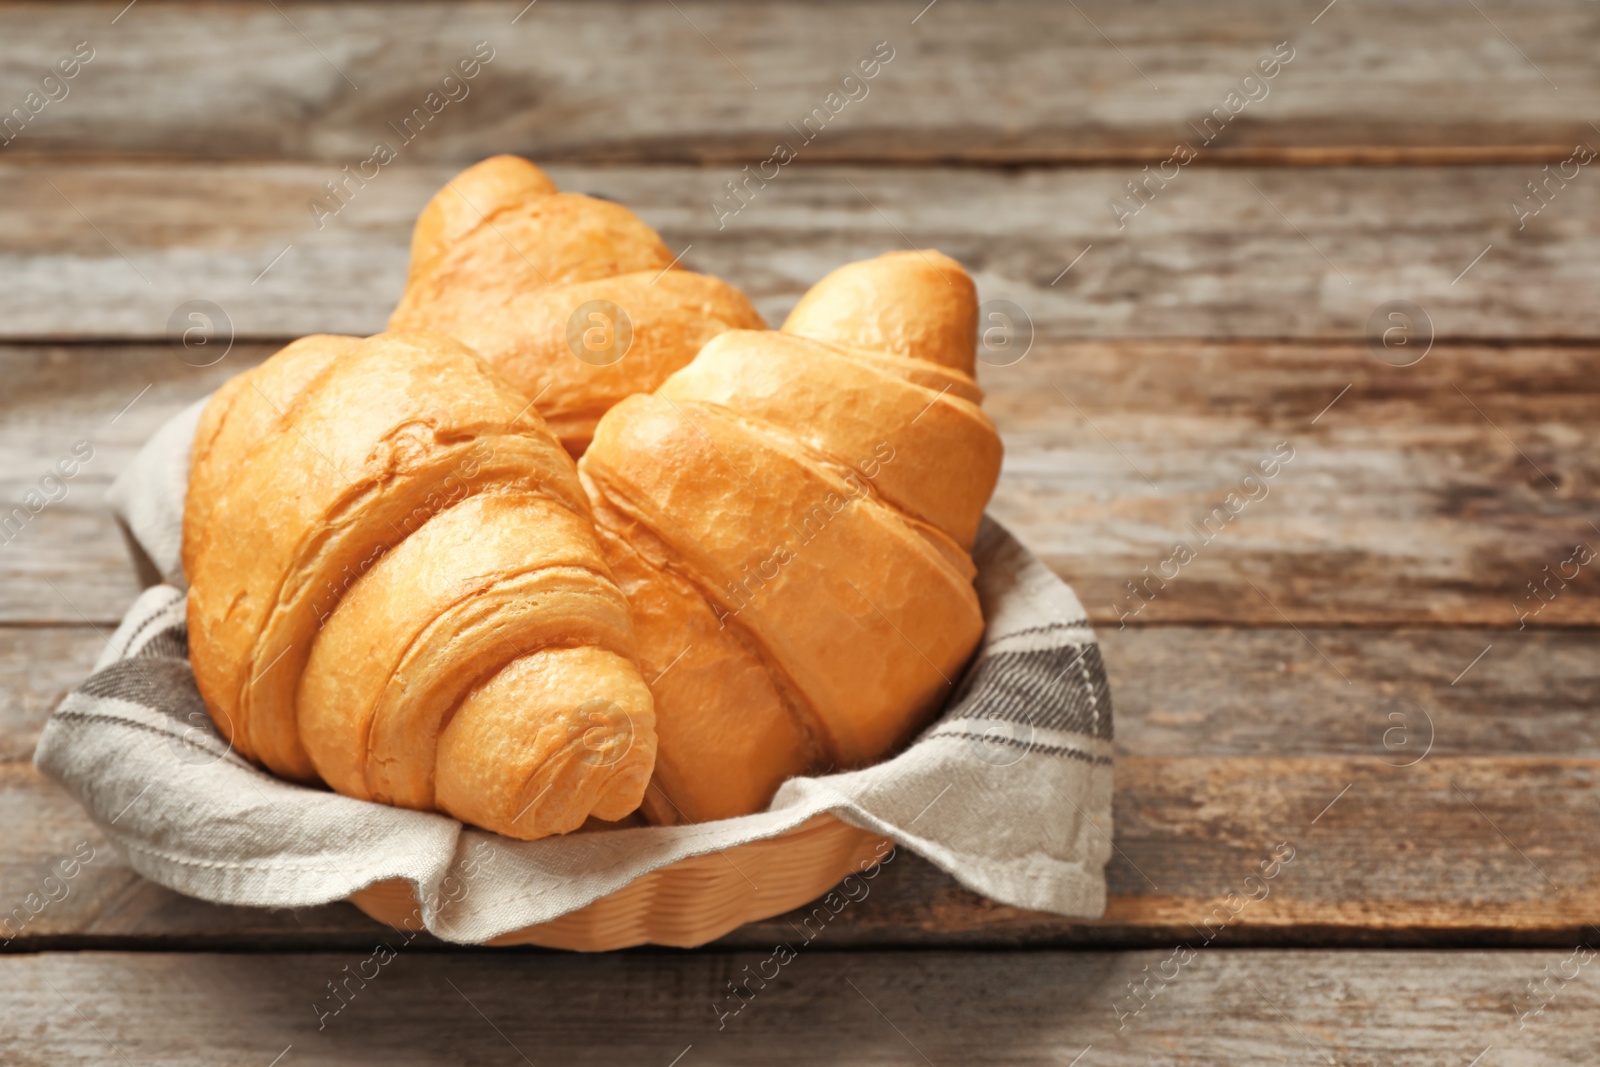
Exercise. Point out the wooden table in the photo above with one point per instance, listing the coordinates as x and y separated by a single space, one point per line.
1357 663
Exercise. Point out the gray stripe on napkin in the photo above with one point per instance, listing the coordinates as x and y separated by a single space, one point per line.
1057 688
1009 791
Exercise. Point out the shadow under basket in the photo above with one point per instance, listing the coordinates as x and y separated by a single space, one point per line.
687 903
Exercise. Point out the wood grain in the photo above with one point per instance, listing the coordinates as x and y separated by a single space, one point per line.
1180 690
1419 497
1435 492
37 668
111 251
720 82
1229 742
1340 670
1257 693
1247 1008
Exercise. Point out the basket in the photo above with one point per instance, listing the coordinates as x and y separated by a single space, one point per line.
684 904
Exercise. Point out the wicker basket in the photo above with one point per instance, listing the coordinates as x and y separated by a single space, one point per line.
687 903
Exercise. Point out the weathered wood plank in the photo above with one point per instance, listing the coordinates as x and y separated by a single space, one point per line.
1219 252
1452 850
1244 1008
1181 690
1420 496
66 561
1433 492
1225 692
37 668
622 81
1203 717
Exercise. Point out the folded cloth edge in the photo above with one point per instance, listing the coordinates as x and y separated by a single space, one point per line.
1033 620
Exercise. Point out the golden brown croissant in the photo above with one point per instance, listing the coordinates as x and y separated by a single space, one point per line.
396 587
531 279
790 517
403 586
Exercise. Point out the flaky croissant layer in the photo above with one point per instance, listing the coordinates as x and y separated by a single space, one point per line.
396 588
571 298
790 517
403 586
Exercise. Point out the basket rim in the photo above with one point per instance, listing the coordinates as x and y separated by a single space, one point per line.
686 903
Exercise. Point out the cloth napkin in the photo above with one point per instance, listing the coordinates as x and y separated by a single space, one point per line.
1009 790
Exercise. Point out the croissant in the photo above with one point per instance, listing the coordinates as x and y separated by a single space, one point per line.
403 586
396 587
790 517
572 299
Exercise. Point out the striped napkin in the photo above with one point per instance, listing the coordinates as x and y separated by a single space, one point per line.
1009 790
